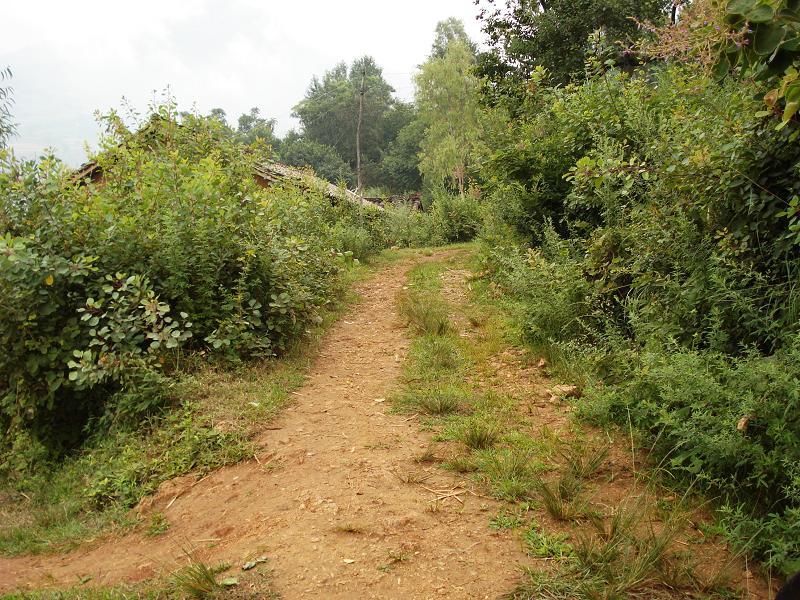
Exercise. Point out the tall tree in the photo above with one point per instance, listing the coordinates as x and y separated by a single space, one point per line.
219 115
525 34
299 151
399 166
448 30
447 97
252 127
329 113
7 126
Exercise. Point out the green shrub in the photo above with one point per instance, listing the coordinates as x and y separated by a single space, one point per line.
731 426
408 227
106 284
642 225
458 218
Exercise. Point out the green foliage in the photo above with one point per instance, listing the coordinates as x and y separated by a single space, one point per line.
458 217
409 227
107 284
324 160
329 111
764 42
731 426
554 34
447 98
197 579
399 166
542 545
252 128
506 520
425 315
441 400
449 31
477 434
658 264
7 126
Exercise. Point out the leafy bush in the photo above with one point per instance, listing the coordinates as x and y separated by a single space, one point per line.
175 248
457 217
643 224
408 227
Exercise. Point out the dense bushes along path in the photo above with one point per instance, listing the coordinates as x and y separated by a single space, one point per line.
323 501
345 499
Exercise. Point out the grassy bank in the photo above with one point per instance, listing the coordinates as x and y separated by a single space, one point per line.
594 517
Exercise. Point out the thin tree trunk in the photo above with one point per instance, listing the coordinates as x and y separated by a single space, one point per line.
359 177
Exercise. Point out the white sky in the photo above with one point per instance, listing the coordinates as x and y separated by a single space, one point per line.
70 58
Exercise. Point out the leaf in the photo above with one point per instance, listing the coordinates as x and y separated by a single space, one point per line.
767 38
761 13
740 7
771 98
791 44
49 280
253 563
790 111
793 93
722 68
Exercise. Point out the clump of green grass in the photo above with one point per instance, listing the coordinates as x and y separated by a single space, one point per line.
197 579
158 525
461 464
540 544
441 400
511 473
477 434
583 461
425 314
434 359
506 520
628 556
561 500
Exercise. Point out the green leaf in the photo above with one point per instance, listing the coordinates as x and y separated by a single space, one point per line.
791 44
793 92
767 38
761 13
740 7
790 110
722 68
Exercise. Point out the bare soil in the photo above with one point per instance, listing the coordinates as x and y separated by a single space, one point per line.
333 497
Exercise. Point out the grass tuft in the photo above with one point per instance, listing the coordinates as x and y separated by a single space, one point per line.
197 580
440 400
158 525
426 315
478 435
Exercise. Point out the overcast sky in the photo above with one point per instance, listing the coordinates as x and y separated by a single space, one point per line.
72 58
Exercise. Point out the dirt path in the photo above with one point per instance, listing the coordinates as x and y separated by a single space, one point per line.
326 499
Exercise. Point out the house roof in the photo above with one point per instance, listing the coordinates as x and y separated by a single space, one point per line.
275 172
269 172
